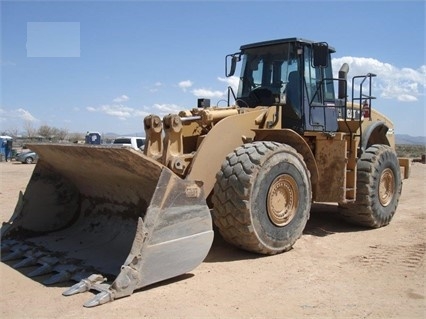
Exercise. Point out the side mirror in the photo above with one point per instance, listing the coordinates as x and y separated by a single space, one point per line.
321 53
236 57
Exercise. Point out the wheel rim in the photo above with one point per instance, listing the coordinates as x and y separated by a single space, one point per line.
282 201
386 187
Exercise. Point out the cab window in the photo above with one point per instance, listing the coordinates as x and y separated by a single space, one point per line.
316 92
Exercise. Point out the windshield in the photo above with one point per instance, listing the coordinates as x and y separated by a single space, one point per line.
267 67
122 141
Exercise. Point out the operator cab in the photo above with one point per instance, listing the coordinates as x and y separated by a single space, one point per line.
293 74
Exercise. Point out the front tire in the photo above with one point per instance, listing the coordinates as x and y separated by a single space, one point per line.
262 197
379 187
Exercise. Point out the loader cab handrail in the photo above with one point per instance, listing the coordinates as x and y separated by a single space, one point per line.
319 95
364 100
231 92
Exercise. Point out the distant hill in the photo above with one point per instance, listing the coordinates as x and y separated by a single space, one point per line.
410 140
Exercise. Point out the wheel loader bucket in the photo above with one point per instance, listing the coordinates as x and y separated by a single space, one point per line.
111 219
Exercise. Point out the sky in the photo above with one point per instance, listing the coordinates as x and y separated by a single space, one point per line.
104 65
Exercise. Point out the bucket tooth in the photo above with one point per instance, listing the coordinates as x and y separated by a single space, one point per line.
16 254
5 248
29 261
32 259
84 285
77 288
99 299
40 271
61 276
6 245
63 273
47 264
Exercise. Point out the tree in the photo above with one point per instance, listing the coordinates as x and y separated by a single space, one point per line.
61 134
75 137
46 131
13 132
29 129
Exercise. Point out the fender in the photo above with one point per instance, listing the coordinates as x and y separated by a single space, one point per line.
375 134
222 139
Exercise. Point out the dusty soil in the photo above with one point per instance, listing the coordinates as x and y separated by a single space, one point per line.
334 271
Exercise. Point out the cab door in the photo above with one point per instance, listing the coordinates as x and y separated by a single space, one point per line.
319 98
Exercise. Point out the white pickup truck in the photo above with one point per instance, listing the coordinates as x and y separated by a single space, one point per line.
135 142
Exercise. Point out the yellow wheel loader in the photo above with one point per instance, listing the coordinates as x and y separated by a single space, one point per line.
113 219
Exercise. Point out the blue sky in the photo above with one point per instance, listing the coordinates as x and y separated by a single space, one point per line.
104 65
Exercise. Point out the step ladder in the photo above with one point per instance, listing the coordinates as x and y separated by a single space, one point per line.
351 171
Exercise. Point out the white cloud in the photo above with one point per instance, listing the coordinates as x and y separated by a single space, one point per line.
26 115
164 109
208 93
407 98
156 87
14 116
232 81
17 114
217 94
123 112
116 109
153 87
120 99
402 84
184 85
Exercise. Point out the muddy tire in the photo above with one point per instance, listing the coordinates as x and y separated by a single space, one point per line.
379 186
262 197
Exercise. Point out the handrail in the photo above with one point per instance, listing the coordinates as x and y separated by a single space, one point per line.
364 101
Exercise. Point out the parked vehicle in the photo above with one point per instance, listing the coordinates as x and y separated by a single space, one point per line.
135 142
27 157
93 138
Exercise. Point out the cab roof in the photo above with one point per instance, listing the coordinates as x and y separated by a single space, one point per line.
279 41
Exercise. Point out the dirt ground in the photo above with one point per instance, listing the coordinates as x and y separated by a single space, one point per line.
334 271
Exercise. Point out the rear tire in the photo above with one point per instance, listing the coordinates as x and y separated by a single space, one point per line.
29 160
379 186
262 197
